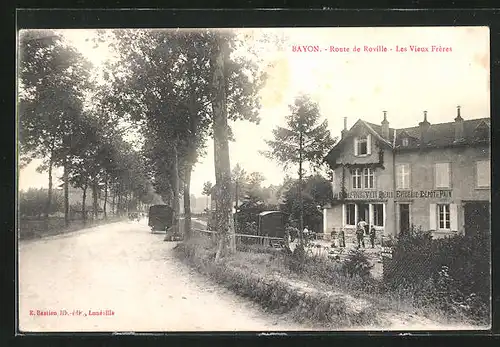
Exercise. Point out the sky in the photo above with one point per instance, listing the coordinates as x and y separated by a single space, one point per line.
356 85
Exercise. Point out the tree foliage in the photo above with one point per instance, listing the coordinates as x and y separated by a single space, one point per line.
316 192
303 124
304 140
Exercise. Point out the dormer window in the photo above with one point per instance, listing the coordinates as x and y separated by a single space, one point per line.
482 131
362 145
404 142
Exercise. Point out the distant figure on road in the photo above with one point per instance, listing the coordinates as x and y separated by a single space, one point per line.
360 233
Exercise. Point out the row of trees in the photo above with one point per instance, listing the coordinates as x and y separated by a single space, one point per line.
179 88
66 119
246 188
184 87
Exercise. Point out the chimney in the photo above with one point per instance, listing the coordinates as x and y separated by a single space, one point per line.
424 127
459 126
385 127
344 131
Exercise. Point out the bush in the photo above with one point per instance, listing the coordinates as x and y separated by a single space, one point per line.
296 260
357 264
452 274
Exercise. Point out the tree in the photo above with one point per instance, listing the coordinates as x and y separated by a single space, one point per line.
221 145
207 190
316 192
168 81
302 141
53 81
32 203
255 194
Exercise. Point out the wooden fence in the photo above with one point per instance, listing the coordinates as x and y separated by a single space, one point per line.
261 240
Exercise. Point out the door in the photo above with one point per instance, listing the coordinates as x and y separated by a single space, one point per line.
404 218
363 215
476 217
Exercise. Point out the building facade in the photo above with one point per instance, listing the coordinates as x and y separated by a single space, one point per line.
433 176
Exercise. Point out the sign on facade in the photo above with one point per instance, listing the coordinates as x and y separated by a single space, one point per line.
381 194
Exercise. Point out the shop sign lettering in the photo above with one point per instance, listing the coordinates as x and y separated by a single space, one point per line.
381 194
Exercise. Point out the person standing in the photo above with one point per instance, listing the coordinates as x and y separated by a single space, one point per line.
372 236
360 233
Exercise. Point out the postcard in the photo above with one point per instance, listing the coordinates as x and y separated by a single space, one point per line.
256 179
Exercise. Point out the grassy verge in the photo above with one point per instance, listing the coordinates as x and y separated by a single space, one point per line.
318 291
36 229
264 278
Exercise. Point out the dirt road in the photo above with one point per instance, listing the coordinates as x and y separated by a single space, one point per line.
130 280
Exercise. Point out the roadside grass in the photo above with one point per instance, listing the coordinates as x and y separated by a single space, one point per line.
319 291
29 229
264 278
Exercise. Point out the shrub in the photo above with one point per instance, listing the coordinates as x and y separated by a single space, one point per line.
357 264
452 274
296 260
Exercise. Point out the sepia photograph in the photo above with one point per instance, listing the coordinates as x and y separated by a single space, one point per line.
253 179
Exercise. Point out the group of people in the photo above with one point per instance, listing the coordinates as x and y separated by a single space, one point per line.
361 230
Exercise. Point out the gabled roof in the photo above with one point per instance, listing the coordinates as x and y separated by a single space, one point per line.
443 134
438 135
375 130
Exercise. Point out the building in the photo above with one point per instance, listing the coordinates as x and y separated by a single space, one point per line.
433 176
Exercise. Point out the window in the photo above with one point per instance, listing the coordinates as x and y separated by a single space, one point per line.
483 173
356 179
403 176
404 142
444 217
442 175
378 215
350 214
363 145
369 178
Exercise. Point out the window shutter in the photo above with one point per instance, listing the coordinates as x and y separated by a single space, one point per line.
370 215
369 144
453 217
408 176
432 217
343 216
384 218
399 175
356 146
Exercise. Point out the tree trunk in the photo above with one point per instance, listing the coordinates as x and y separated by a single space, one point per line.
49 192
105 197
66 194
94 200
236 207
187 203
301 204
84 201
120 198
221 147
175 195
113 203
